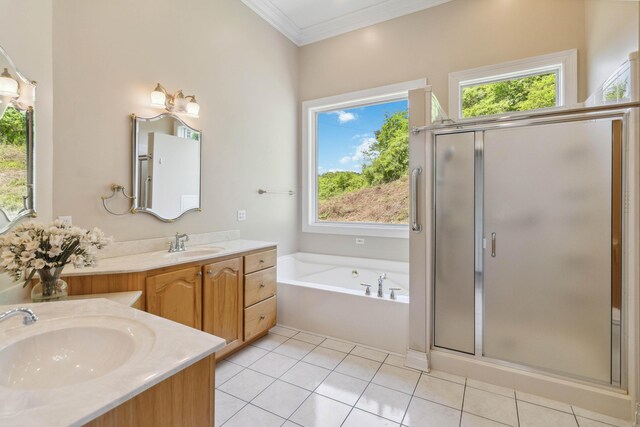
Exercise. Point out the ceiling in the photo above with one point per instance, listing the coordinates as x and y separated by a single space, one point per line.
308 21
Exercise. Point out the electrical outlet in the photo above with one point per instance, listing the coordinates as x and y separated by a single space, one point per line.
242 215
359 241
65 220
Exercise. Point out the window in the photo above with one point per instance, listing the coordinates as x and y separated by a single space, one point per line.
356 163
530 84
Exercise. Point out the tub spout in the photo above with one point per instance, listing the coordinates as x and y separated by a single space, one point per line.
381 279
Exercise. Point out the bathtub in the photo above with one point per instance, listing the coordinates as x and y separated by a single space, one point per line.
322 294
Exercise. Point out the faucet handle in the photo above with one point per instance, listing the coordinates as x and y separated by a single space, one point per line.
393 293
368 291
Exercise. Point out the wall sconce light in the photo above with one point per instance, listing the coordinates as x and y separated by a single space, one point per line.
176 103
8 85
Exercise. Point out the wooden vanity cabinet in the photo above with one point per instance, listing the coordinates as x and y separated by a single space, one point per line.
223 302
177 295
259 293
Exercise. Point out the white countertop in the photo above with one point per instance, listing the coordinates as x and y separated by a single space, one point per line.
169 347
152 260
125 298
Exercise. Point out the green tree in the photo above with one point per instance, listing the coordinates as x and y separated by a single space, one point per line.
13 127
389 156
333 184
527 93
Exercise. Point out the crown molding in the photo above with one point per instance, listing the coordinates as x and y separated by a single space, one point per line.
375 14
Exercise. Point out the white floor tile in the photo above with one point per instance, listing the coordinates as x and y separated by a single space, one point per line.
324 357
273 364
358 367
311 339
378 356
422 413
320 411
480 385
342 388
491 405
270 341
403 380
470 420
306 375
440 391
281 398
447 376
246 385
531 415
254 417
294 348
600 417
342 346
226 407
281 330
384 402
226 370
247 356
586 422
537 400
358 418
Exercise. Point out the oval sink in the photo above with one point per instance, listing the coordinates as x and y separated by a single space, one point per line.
196 252
68 355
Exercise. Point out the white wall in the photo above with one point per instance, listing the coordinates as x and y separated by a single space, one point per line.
25 34
107 58
611 35
455 36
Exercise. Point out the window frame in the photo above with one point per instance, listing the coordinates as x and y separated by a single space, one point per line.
564 63
310 110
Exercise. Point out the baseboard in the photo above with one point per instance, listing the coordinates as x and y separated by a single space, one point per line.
614 403
417 360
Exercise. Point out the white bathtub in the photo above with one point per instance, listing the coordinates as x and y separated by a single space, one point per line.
322 294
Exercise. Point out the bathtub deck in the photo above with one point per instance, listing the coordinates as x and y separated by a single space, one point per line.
292 378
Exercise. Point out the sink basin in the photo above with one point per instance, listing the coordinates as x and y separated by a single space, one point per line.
72 353
195 252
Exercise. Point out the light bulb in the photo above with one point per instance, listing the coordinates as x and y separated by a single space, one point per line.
193 107
8 85
158 97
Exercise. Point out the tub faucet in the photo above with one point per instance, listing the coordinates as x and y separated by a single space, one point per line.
29 317
178 244
381 279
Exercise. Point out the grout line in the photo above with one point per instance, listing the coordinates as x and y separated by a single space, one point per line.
517 410
464 393
575 417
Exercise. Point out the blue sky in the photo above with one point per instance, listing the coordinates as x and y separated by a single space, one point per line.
344 134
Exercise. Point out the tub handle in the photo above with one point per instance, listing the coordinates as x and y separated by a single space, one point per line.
393 292
415 176
368 291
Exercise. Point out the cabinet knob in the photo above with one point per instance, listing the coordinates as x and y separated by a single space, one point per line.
199 273
262 317
209 272
261 261
262 284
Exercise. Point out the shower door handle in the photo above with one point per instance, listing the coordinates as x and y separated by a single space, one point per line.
415 176
493 245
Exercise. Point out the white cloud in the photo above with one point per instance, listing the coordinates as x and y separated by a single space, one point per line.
363 148
345 160
344 116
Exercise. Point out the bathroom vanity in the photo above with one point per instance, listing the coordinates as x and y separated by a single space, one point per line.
227 289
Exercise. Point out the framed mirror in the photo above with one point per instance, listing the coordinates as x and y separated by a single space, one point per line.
17 144
166 167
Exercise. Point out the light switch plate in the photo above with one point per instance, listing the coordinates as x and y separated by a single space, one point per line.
242 215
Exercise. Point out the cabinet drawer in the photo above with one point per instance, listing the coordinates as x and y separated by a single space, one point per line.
259 261
259 286
259 318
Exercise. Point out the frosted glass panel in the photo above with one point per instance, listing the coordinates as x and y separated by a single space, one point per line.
547 291
454 258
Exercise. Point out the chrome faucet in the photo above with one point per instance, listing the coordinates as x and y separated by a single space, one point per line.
178 244
381 279
29 317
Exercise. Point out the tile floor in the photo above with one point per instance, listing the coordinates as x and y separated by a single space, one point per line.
291 378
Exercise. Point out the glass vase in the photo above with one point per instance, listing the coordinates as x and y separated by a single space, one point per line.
50 287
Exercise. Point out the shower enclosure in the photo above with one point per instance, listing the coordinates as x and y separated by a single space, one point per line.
528 242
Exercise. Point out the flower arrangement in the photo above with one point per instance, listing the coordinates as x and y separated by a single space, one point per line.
32 248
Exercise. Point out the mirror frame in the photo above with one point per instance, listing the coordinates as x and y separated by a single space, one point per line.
29 200
134 163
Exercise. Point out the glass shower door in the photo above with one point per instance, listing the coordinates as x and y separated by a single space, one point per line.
547 257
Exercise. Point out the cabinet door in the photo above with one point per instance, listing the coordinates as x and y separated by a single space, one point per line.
223 300
177 296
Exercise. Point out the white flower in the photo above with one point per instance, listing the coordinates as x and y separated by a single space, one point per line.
54 251
39 264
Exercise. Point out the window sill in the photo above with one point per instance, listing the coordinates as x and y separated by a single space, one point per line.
366 230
